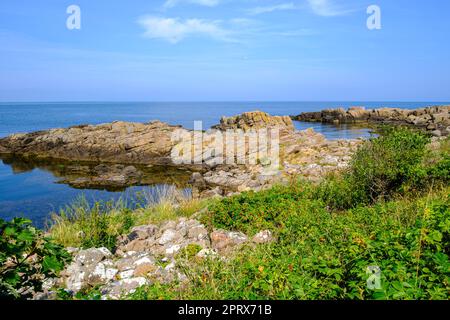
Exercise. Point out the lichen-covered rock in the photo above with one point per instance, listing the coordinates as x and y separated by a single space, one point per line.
124 287
264 236
175 243
223 241
92 256
89 268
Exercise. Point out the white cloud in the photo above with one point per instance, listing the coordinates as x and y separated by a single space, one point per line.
326 8
207 3
174 30
267 9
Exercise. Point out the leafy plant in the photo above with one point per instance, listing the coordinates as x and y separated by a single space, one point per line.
27 258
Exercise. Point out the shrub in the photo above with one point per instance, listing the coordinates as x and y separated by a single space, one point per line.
27 258
385 164
396 162
252 212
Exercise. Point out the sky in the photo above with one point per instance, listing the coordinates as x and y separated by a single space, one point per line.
224 50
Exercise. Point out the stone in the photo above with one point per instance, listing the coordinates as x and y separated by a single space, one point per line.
92 256
256 120
123 287
436 133
264 236
207 253
101 273
198 233
430 118
143 232
168 236
117 142
170 251
224 241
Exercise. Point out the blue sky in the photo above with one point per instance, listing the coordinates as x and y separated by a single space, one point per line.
224 50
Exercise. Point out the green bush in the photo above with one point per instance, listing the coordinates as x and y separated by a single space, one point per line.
397 162
382 166
27 258
252 212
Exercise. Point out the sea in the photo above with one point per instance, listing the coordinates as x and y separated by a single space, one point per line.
33 191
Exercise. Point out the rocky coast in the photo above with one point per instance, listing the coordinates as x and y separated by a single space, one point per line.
121 154
435 119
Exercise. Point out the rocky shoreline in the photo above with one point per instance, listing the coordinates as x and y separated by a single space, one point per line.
434 119
119 154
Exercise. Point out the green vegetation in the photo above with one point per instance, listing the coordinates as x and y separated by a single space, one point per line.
98 225
27 258
325 256
389 210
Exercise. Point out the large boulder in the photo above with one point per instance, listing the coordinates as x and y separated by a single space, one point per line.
256 120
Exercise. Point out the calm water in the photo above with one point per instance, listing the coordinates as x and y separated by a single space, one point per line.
33 193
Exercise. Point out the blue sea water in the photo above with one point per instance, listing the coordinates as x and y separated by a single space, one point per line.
34 194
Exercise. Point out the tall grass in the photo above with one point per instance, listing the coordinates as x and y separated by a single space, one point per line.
86 225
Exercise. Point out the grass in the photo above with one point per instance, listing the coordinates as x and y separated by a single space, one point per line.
95 225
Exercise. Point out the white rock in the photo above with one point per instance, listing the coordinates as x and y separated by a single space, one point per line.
173 249
207 253
126 274
263 237
144 260
123 287
167 236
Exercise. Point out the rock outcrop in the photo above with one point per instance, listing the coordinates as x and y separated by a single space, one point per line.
120 154
147 255
433 119
117 142
256 120
302 153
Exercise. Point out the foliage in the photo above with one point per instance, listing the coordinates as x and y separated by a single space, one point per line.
87 226
27 258
320 255
397 162
252 212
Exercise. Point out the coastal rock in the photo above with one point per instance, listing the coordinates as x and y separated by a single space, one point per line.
430 118
92 256
256 120
89 268
117 142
